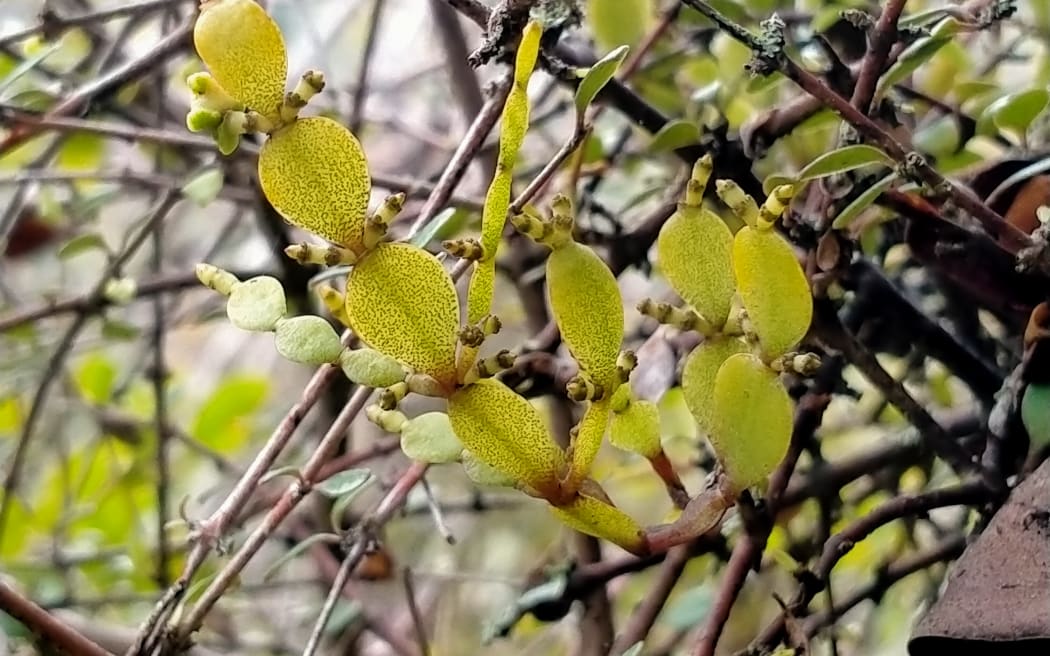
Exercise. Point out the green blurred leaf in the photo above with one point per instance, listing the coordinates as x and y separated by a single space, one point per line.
81 151
345 613
435 226
346 482
619 22
120 330
298 549
842 160
27 65
862 202
89 241
676 134
690 608
911 59
32 100
222 422
204 187
95 378
1016 111
1035 413
731 9
598 76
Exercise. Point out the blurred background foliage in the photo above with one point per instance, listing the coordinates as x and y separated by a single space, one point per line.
79 364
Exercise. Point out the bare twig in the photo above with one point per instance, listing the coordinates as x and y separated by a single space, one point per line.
49 629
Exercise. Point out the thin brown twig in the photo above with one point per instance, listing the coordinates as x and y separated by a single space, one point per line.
51 631
880 42
361 87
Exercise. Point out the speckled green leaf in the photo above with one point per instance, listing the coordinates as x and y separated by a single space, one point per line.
315 174
307 339
637 429
597 518
752 420
256 304
244 50
588 439
401 302
588 309
698 376
430 438
773 288
695 248
503 430
481 474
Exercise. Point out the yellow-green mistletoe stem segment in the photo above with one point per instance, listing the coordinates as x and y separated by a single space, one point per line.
378 223
310 84
329 255
215 278
389 420
694 188
513 124
681 318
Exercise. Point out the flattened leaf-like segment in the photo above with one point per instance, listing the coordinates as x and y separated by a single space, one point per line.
429 438
773 288
244 50
698 376
315 174
753 420
695 248
637 429
504 431
598 519
588 308
401 302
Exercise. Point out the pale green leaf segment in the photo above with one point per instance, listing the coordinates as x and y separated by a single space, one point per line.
402 303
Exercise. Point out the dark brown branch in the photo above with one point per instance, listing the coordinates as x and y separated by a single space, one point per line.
50 630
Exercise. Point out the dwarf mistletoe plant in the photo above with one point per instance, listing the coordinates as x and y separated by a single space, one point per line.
746 294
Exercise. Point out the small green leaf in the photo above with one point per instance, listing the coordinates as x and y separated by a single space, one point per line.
862 202
89 241
842 160
1035 413
430 438
911 59
222 421
256 304
435 226
675 134
1016 111
598 76
300 547
204 187
369 367
308 339
345 482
